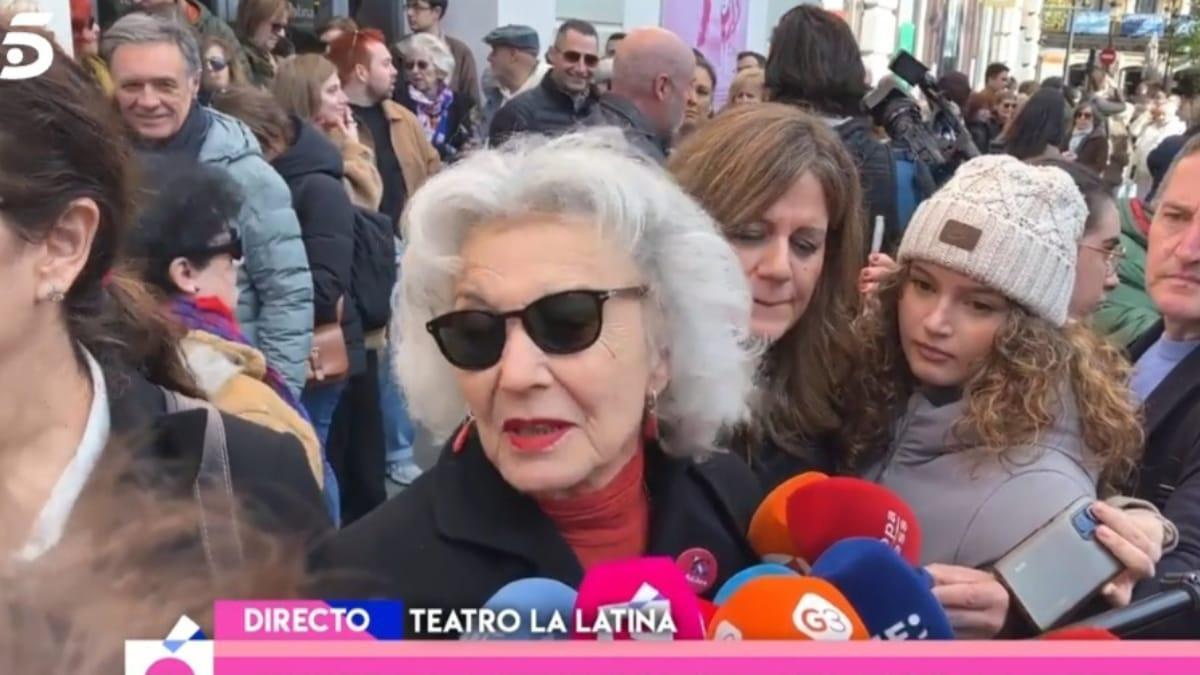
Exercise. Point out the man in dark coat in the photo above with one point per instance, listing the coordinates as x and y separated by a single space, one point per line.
1167 375
565 97
651 86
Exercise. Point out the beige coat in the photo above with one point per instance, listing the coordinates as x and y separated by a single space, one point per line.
231 376
418 159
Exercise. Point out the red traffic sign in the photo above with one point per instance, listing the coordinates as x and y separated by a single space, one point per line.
1108 56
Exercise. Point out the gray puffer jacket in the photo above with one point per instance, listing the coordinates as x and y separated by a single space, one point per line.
275 302
972 508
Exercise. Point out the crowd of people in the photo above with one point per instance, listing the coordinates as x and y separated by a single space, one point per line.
243 278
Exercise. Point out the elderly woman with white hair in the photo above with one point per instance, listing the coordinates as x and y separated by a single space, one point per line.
445 114
578 338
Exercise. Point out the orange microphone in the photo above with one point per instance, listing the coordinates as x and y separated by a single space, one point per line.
769 535
787 608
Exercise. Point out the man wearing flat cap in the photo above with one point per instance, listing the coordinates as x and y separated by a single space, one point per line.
514 67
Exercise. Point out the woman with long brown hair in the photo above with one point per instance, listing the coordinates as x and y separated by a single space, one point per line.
786 195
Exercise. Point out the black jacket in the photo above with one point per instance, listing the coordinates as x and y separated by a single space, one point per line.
877 170
269 471
545 109
461 532
1173 456
620 112
313 169
460 129
773 465
982 134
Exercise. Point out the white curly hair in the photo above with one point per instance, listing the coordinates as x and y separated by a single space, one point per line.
698 301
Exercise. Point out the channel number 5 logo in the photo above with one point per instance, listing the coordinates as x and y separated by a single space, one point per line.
42 49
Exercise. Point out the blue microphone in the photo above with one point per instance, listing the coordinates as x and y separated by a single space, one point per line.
738 580
894 599
527 609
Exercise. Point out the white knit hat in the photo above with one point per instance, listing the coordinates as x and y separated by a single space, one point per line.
1006 224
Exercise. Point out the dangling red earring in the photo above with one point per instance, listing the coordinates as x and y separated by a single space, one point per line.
460 439
650 425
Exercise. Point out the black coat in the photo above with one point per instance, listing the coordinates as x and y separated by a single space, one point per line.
773 465
461 532
545 109
877 170
269 470
1173 455
313 169
620 112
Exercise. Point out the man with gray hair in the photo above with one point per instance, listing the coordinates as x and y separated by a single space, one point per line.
651 86
1166 376
155 66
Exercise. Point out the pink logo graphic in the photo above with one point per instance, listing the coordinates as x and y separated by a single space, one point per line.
170 666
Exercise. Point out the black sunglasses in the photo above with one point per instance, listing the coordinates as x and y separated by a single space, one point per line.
417 65
559 323
589 60
279 28
216 65
229 242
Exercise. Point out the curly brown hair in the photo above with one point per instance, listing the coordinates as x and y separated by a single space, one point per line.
737 166
1011 399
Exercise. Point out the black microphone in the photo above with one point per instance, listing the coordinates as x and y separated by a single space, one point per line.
1148 611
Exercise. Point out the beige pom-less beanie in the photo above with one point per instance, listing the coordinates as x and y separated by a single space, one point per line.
1006 224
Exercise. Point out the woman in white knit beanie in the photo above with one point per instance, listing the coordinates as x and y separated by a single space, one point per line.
977 401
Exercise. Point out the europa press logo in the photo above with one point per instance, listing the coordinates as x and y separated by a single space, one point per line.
17 44
185 651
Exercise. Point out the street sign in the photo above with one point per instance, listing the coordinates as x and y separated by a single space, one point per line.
1108 56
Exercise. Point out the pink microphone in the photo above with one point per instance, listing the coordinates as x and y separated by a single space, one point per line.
638 599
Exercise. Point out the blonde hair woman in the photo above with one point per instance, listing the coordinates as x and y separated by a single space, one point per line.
747 87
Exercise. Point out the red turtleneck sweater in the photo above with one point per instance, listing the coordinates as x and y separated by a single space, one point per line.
611 523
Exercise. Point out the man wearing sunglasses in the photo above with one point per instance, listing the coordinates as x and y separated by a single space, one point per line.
651 87
565 98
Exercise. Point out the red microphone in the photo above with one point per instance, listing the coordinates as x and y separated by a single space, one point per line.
822 513
787 608
1079 633
637 599
769 534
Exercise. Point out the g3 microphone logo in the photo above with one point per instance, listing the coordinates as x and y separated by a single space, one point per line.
820 619
42 49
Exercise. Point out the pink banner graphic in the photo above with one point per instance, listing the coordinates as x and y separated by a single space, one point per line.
293 620
717 28
699 658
